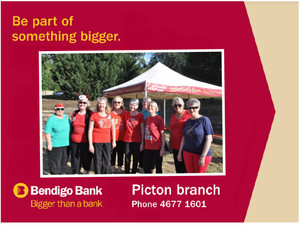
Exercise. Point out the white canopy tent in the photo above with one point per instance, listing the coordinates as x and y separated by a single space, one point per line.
161 82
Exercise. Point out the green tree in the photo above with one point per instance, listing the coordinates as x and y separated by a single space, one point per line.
133 65
47 82
92 73
175 60
202 66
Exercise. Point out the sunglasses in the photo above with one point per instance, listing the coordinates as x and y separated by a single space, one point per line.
194 107
58 109
117 102
82 102
179 105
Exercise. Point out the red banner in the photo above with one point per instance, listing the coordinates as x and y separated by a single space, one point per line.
126 90
183 90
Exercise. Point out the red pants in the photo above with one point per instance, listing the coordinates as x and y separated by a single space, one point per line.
191 162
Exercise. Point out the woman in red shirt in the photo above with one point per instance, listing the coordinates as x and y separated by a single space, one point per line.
102 136
79 141
134 134
154 140
178 121
118 114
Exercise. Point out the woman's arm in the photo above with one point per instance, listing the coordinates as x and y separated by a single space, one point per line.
90 137
207 144
114 144
170 141
49 141
163 140
143 136
179 156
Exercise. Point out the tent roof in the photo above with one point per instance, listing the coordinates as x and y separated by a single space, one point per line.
161 82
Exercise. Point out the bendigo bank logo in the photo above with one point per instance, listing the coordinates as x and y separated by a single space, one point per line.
20 190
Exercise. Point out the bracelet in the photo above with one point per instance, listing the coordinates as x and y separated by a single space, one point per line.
202 155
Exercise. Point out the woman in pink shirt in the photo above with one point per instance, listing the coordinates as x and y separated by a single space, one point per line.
178 121
154 140
80 154
118 114
102 136
133 138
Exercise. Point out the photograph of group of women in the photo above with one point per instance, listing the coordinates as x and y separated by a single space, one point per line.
113 137
85 134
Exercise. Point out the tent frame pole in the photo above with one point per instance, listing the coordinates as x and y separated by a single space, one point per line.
146 89
165 112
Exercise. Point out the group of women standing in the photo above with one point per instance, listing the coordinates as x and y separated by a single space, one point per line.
107 134
190 137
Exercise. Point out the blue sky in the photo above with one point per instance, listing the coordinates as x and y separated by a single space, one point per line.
147 57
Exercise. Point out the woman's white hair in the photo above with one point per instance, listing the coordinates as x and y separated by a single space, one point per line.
193 101
88 104
148 99
177 99
134 101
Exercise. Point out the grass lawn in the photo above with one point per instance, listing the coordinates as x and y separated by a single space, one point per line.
216 165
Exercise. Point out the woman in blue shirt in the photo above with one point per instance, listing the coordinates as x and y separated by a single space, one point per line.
195 146
57 132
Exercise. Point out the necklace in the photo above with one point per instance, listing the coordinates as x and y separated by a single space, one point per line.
102 114
118 112
179 116
134 113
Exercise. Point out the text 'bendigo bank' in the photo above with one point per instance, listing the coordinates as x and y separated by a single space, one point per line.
65 191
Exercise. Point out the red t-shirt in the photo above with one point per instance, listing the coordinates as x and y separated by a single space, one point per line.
153 138
177 126
102 128
120 126
78 122
133 127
